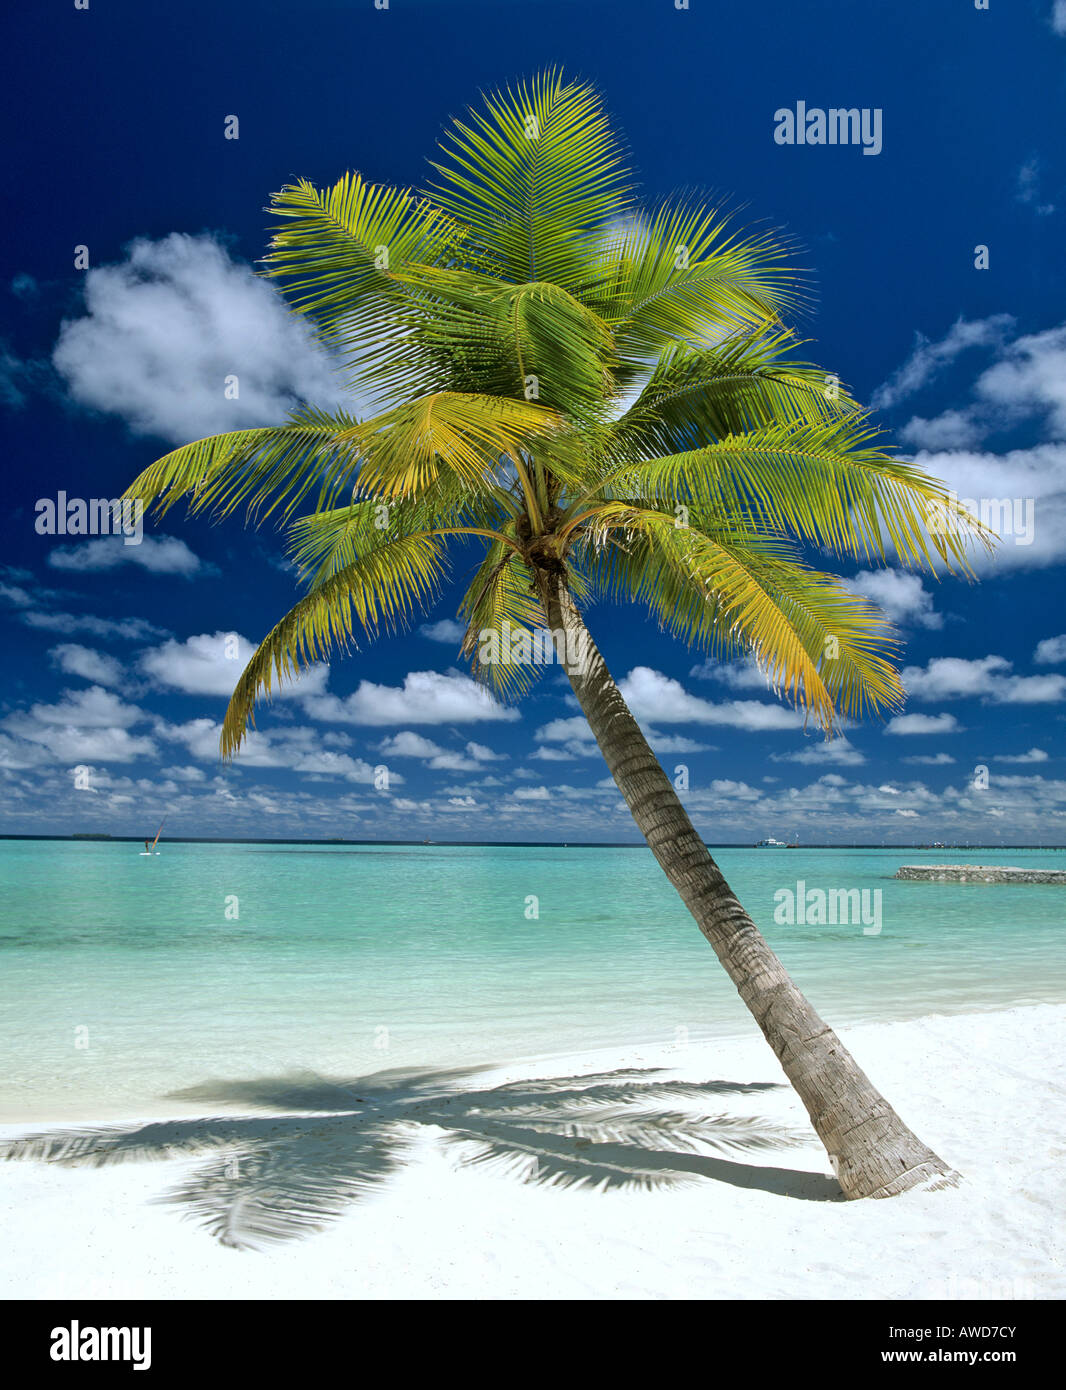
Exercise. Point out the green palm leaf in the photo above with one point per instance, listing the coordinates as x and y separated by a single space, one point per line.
532 176
386 586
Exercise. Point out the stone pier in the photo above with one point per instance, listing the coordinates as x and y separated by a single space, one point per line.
978 873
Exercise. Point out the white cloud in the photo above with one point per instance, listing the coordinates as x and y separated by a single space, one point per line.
1058 17
901 596
930 759
97 667
578 741
1052 649
1032 484
929 357
653 696
987 678
481 754
563 730
531 794
408 744
675 743
129 629
1034 755
953 677
838 751
954 429
17 597
738 675
165 328
91 746
95 708
1027 190
85 726
1021 494
211 664
157 554
447 630
1030 378
185 774
426 697
923 724
300 750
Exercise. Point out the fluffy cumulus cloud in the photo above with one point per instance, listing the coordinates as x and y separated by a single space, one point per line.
824 752
653 696
987 678
900 595
923 724
408 744
83 727
738 675
95 708
1034 755
211 664
164 330
156 554
299 750
1051 650
98 667
447 631
952 429
1030 378
1020 493
426 697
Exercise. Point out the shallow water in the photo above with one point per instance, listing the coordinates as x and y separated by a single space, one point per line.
123 979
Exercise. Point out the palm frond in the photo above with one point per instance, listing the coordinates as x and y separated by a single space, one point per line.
823 482
533 174
271 468
696 396
734 592
504 622
406 449
387 585
336 251
682 274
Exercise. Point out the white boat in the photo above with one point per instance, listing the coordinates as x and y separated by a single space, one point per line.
771 843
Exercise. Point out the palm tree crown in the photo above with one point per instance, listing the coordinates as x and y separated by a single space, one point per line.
600 395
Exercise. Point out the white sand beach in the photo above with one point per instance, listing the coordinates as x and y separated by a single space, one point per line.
983 1089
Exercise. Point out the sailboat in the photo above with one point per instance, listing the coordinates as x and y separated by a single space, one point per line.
147 853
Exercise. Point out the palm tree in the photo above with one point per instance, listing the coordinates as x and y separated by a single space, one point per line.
606 400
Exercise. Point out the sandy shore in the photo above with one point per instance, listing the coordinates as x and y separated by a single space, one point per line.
747 1211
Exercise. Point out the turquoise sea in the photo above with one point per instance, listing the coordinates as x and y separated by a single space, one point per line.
124 978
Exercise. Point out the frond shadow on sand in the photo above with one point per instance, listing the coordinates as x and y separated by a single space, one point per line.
322 1144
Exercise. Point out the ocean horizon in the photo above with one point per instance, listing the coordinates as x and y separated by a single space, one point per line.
129 978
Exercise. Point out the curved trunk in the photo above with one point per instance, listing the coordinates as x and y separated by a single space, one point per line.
872 1151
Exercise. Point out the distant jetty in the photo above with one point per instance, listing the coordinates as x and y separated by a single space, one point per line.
978 873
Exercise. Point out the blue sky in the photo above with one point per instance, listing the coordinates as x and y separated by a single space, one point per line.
116 656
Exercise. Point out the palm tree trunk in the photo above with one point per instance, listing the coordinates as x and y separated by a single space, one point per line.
872 1151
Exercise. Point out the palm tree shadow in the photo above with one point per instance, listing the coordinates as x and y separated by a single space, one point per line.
323 1144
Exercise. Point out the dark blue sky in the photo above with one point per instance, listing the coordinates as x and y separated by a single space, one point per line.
118 115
